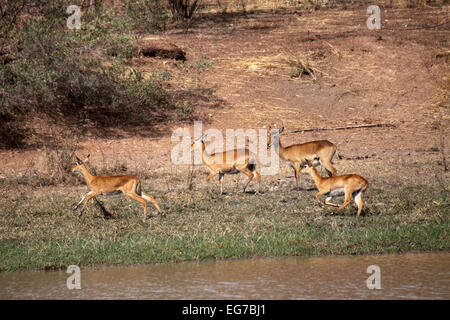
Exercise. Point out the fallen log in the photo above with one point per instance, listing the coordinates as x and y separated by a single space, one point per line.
161 49
377 125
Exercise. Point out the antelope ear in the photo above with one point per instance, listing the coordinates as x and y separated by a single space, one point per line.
87 158
78 160
281 130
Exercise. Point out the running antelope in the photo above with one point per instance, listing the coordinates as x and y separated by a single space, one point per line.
130 185
296 154
242 161
347 185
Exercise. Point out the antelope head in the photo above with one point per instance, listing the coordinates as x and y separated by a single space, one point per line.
198 142
306 166
273 133
80 163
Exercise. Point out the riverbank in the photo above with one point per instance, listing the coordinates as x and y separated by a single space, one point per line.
42 232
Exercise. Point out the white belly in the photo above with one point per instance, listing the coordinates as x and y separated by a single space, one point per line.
336 192
232 171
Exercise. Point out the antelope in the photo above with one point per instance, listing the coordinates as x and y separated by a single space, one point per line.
347 185
296 154
129 185
243 161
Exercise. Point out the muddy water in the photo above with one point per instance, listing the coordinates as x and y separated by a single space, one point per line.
406 276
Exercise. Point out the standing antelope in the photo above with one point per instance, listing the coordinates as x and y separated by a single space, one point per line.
130 185
347 185
243 161
296 154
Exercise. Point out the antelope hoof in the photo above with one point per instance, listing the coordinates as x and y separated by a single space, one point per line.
80 213
162 213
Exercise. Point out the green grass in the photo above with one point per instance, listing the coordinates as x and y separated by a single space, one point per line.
43 232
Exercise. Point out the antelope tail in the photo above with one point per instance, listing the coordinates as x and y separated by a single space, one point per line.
139 188
364 187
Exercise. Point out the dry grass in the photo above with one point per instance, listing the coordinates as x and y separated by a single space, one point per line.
404 211
285 64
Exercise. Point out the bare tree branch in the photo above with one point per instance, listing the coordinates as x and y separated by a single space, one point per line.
347 127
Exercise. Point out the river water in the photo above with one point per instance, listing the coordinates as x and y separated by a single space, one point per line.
404 276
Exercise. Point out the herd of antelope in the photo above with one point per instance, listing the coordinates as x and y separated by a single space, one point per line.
301 157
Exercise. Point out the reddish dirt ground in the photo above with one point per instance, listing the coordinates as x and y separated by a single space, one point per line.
392 76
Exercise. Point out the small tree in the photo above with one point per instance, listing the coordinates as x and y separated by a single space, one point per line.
148 15
183 9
